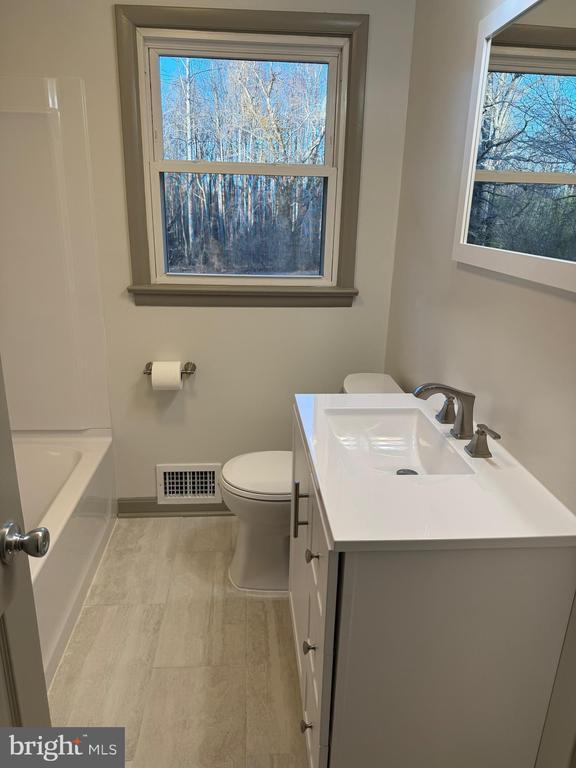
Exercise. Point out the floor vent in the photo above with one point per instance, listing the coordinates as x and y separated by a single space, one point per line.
188 483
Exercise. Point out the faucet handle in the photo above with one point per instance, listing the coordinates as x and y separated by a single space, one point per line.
447 414
478 446
488 430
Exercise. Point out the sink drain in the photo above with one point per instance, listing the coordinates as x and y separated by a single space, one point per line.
406 472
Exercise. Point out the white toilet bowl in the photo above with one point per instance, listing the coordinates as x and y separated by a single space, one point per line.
256 488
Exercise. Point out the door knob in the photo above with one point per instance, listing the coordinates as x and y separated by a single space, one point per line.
304 726
307 647
35 543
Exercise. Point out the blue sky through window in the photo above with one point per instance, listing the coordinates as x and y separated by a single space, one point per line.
529 123
237 110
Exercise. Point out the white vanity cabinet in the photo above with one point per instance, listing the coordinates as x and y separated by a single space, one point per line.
419 656
313 581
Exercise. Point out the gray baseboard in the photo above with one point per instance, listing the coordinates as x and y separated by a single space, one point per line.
147 506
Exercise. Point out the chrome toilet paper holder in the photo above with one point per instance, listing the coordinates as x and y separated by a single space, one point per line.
187 369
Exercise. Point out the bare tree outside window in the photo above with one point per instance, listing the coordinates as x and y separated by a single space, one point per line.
217 110
528 132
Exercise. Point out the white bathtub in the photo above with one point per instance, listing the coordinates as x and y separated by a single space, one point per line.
66 484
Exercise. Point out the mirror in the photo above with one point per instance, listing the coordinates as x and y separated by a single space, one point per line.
518 196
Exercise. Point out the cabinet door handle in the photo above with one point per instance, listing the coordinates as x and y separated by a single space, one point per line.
296 496
307 647
304 726
309 556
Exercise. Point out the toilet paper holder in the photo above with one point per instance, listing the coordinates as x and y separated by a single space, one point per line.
187 369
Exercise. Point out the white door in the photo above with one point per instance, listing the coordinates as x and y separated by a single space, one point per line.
23 697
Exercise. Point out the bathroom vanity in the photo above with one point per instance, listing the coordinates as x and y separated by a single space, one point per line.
429 609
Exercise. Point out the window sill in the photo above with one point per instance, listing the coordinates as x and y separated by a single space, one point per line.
240 296
555 273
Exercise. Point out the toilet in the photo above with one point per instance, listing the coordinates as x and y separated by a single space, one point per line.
366 383
256 487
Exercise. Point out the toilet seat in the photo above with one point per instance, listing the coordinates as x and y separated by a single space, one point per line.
264 476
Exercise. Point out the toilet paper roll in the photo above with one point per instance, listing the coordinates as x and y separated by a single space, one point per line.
166 375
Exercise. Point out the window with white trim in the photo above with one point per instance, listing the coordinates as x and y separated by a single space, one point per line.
243 145
524 194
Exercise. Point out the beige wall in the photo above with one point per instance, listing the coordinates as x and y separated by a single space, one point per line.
554 13
510 342
250 361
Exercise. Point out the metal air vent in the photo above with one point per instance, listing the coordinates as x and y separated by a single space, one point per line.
188 483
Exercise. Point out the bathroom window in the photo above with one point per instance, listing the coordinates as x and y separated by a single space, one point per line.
524 193
246 193
244 162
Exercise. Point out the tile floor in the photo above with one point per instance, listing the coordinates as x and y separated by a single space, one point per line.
200 675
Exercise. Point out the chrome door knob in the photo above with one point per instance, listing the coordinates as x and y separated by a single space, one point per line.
304 726
35 543
309 556
307 647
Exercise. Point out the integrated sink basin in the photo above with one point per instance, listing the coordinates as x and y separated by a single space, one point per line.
395 441
358 443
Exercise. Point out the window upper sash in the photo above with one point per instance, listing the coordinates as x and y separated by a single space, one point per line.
330 51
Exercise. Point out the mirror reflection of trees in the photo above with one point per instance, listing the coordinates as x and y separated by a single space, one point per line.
230 111
528 125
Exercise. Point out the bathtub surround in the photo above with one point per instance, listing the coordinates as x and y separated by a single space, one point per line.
165 645
51 324
52 340
250 360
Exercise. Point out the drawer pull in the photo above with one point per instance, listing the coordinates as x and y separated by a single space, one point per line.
304 726
309 556
296 496
307 647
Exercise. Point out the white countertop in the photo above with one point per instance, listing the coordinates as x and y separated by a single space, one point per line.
499 504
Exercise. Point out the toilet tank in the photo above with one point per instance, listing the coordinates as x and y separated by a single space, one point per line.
358 383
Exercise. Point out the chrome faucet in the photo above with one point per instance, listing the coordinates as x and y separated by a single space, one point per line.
463 428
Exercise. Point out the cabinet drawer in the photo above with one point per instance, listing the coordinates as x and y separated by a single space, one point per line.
300 542
313 591
315 656
319 551
317 754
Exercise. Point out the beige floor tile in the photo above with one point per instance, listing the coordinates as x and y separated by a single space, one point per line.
137 565
194 718
269 632
273 710
206 678
216 534
205 618
277 761
103 677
